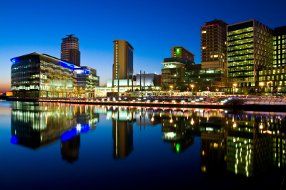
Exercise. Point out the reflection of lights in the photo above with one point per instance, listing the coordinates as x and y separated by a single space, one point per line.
234 125
203 153
152 119
204 169
192 121
215 145
171 120
78 127
178 147
260 126
169 135
14 140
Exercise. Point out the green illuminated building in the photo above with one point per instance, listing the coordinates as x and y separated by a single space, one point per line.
249 50
174 69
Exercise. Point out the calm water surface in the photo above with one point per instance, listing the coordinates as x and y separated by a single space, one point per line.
62 146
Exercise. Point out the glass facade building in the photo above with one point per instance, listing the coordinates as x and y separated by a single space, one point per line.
273 78
86 79
36 76
249 50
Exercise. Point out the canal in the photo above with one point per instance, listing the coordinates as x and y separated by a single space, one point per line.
72 146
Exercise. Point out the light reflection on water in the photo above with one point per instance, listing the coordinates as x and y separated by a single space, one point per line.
235 145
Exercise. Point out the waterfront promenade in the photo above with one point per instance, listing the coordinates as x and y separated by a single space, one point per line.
261 103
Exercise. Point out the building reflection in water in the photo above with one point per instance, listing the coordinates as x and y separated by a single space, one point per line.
122 132
35 125
244 143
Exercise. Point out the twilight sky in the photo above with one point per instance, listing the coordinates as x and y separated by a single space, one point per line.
151 26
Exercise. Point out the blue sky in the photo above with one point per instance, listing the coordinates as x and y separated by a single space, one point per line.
151 26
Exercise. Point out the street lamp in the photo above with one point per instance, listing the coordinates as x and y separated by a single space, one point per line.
261 84
234 85
192 87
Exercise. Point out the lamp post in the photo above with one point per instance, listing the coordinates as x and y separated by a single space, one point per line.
261 84
269 85
234 85
192 87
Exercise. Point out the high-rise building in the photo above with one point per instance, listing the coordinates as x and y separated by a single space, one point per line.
181 52
70 49
273 77
123 61
249 50
174 69
213 45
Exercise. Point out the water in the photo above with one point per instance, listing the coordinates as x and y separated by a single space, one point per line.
62 146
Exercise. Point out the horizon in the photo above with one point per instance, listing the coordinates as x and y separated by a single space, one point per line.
147 26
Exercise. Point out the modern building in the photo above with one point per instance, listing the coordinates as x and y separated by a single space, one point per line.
36 76
213 45
174 69
87 80
182 53
249 50
70 49
147 80
199 79
173 74
42 76
273 78
123 62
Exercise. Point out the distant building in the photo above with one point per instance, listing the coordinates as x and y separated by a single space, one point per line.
174 69
249 50
70 50
213 45
123 61
87 79
181 52
146 80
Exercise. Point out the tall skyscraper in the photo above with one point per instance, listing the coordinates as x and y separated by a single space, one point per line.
123 61
213 45
249 50
70 49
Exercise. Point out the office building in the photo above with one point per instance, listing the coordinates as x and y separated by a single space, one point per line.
123 62
36 76
273 78
70 50
42 76
182 53
174 69
213 45
87 80
249 50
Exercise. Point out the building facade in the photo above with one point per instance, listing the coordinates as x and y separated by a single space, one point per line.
36 76
273 78
213 45
182 53
123 61
87 80
41 76
70 50
249 50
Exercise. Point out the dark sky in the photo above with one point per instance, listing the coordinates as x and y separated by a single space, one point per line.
151 26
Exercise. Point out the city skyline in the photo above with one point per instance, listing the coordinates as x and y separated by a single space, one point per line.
152 35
